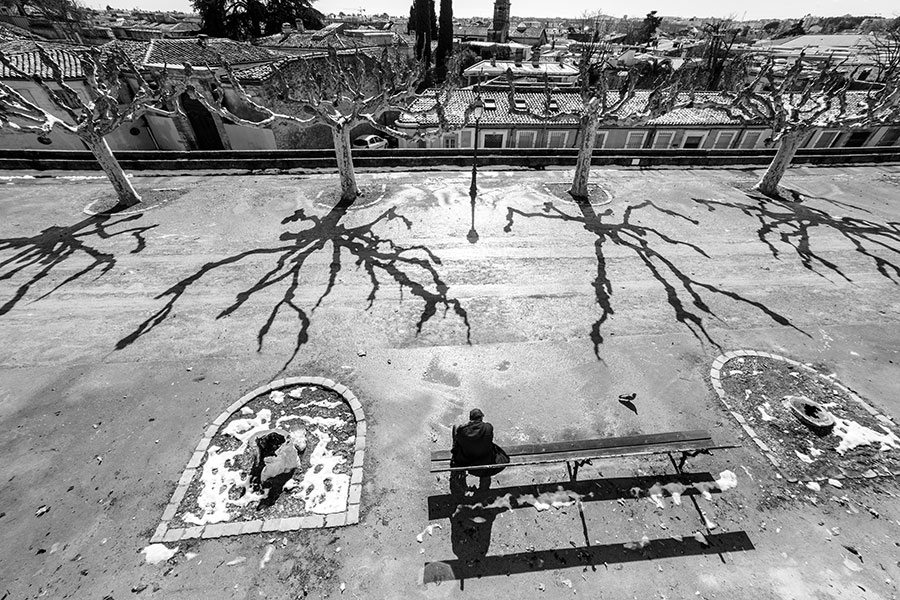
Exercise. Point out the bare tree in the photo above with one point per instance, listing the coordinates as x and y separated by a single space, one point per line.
88 119
808 96
340 90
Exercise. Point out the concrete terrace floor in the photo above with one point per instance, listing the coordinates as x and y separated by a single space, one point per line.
553 312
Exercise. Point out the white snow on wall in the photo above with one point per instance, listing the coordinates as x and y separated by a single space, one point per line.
318 498
853 434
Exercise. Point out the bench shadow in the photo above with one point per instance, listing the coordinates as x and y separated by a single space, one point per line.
413 268
49 249
791 223
586 556
684 293
472 514
444 506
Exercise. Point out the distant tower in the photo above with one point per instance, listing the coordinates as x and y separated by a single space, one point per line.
499 31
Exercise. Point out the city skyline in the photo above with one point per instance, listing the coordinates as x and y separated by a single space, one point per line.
535 8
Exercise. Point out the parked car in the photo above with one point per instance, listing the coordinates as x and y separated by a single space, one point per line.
370 142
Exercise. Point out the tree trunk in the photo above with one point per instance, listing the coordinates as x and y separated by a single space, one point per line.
124 190
589 125
342 148
787 148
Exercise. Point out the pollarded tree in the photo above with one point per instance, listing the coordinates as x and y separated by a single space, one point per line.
807 97
339 89
88 119
603 105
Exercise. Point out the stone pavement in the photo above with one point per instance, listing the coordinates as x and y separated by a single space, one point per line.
553 313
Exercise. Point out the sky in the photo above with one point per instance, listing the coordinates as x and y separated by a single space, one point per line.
760 9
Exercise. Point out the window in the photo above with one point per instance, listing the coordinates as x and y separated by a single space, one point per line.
490 104
449 141
751 139
525 139
557 139
826 139
492 140
26 94
600 140
554 105
635 140
521 104
465 139
857 139
890 138
724 140
663 140
693 140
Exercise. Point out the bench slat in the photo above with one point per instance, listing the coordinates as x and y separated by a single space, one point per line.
443 466
595 444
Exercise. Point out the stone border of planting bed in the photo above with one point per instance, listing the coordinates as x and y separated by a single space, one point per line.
213 530
715 378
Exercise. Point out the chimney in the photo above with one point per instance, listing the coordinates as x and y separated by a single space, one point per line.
298 25
201 40
536 58
518 58
493 60
285 28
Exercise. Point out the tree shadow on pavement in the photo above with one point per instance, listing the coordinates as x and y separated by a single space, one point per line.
53 246
413 268
648 244
471 524
792 222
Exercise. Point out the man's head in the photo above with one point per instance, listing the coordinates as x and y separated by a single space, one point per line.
475 414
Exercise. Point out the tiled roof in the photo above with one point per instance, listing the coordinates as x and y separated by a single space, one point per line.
553 69
528 32
262 72
135 50
31 64
460 100
176 52
308 40
570 101
10 32
470 32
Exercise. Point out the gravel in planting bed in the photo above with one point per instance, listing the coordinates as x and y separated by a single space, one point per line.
219 491
860 444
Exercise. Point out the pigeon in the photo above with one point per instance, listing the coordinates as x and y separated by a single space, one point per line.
626 401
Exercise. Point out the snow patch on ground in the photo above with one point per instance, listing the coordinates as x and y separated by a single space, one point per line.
157 553
727 480
323 490
558 499
853 434
217 479
324 421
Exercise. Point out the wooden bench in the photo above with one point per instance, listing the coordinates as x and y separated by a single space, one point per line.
581 452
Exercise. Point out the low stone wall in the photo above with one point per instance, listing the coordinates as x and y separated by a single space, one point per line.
415 158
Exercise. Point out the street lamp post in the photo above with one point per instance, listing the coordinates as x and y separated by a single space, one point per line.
477 112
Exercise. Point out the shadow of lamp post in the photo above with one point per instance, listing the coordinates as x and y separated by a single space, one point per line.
477 112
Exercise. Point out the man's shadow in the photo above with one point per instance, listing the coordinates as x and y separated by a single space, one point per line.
471 522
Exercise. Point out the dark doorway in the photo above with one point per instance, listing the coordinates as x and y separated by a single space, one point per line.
205 132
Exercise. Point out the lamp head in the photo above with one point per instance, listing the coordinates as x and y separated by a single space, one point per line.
477 108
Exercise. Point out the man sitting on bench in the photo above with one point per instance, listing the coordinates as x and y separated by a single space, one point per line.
473 445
